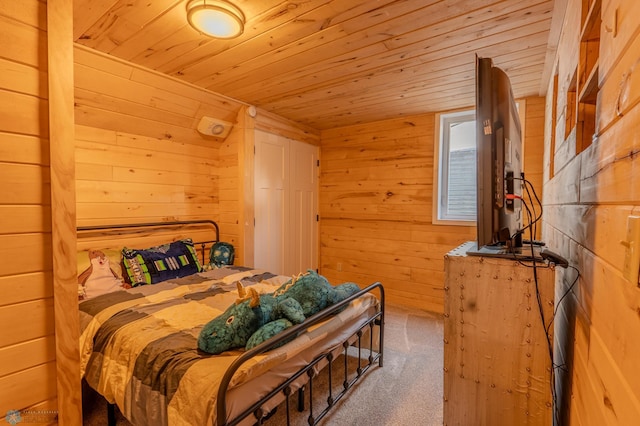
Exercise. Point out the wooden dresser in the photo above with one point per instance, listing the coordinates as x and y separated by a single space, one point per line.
497 366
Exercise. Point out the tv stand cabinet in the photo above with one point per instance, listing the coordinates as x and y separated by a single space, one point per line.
497 366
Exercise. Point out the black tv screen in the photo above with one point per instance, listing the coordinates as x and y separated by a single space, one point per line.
499 159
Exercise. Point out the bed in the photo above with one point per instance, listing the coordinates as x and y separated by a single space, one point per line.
138 346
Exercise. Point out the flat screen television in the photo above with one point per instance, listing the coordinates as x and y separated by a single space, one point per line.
499 160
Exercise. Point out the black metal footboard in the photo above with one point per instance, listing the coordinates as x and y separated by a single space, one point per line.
311 370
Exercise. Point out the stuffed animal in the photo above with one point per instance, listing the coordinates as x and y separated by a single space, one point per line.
98 278
256 318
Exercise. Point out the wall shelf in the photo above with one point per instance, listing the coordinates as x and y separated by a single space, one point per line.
587 82
591 21
589 91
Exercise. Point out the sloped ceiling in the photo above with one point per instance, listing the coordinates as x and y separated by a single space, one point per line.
329 63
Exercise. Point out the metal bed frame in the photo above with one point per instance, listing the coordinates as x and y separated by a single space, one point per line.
286 387
324 361
146 225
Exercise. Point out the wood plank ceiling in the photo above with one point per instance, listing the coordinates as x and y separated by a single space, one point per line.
329 63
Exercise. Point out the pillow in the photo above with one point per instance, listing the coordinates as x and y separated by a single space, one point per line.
99 272
160 263
114 256
221 254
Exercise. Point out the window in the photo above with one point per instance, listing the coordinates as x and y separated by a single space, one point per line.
455 174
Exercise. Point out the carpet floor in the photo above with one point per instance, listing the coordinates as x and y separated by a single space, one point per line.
406 391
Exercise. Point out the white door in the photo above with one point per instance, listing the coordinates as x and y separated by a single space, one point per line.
303 173
286 205
271 202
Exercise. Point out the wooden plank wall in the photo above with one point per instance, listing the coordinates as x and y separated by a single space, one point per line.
375 211
534 148
236 188
376 196
139 157
272 123
587 202
27 342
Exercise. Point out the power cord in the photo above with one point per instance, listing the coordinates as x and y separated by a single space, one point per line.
552 259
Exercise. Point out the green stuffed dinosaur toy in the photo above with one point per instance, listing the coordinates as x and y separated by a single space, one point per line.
255 318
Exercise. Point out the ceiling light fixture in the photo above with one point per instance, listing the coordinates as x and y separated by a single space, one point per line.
215 18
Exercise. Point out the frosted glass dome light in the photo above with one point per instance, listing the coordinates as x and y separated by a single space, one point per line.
215 18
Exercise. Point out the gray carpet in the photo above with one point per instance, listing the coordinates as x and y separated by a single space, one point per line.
406 391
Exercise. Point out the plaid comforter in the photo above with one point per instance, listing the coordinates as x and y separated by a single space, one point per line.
139 347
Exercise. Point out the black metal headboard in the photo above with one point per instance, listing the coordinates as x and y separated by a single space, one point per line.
148 225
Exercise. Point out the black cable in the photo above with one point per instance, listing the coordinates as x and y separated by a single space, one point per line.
532 223
534 266
565 294
533 207
515 257
542 319
526 187
562 365
532 226
528 184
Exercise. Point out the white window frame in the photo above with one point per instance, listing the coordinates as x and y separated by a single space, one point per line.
441 159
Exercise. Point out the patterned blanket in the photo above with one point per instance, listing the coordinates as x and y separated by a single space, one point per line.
139 347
